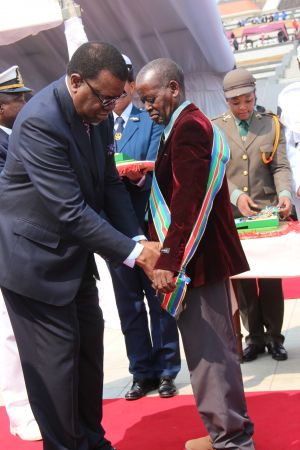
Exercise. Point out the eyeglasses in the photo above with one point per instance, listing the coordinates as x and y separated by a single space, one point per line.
105 101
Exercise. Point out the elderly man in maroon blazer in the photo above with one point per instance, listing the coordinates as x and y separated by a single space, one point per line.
205 320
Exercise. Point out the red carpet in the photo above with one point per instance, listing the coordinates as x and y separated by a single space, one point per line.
165 424
291 287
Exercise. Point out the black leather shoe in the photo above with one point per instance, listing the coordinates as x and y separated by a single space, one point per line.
167 387
277 351
140 388
251 351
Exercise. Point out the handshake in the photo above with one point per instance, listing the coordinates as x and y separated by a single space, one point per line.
162 280
149 256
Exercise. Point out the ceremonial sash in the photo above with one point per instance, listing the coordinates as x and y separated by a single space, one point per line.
162 218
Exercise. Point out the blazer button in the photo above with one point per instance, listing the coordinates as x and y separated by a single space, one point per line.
245 172
245 156
245 189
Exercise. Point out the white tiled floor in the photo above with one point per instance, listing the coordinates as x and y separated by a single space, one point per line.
263 374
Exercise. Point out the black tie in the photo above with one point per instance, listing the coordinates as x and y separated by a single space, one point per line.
161 143
90 152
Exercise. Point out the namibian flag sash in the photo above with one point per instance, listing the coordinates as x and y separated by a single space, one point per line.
162 218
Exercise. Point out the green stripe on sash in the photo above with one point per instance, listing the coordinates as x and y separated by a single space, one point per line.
162 218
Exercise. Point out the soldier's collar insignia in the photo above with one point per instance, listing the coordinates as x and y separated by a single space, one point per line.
227 116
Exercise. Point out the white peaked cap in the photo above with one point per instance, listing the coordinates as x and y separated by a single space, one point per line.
127 60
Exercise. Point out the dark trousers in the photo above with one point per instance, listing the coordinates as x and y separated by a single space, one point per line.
261 305
152 348
210 347
61 351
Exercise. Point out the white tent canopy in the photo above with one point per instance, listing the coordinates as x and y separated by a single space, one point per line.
33 16
189 31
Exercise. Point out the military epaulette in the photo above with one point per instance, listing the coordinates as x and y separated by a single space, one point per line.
266 114
223 116
134 118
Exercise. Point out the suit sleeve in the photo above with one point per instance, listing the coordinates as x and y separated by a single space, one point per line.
118 205
156 131
191 157
44 153
3 154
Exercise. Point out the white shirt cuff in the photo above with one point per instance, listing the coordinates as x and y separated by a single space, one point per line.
130 260
142 181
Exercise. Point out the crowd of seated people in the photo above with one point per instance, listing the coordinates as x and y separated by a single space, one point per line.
282 15
265 39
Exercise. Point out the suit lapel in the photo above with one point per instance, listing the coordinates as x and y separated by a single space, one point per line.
163 148
255 127
78 130
98 153
130 129
81 160
232 129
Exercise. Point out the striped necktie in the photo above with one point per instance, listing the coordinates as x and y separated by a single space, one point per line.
119 127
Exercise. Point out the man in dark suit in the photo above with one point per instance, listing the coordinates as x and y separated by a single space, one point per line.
182 170
154 357
58 178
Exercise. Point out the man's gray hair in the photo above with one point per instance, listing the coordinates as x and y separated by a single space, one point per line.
165 69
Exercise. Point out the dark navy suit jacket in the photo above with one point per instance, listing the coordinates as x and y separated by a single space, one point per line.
140 140
53 189
4 137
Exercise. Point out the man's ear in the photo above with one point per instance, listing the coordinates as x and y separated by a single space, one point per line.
174 86
75 80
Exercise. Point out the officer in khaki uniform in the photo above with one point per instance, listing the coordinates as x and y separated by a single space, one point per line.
258 176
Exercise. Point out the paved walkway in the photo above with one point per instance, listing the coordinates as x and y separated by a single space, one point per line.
263 374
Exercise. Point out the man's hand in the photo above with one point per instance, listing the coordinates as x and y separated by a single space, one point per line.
155 245
163 281
246 205
136 176
285 205
148 258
